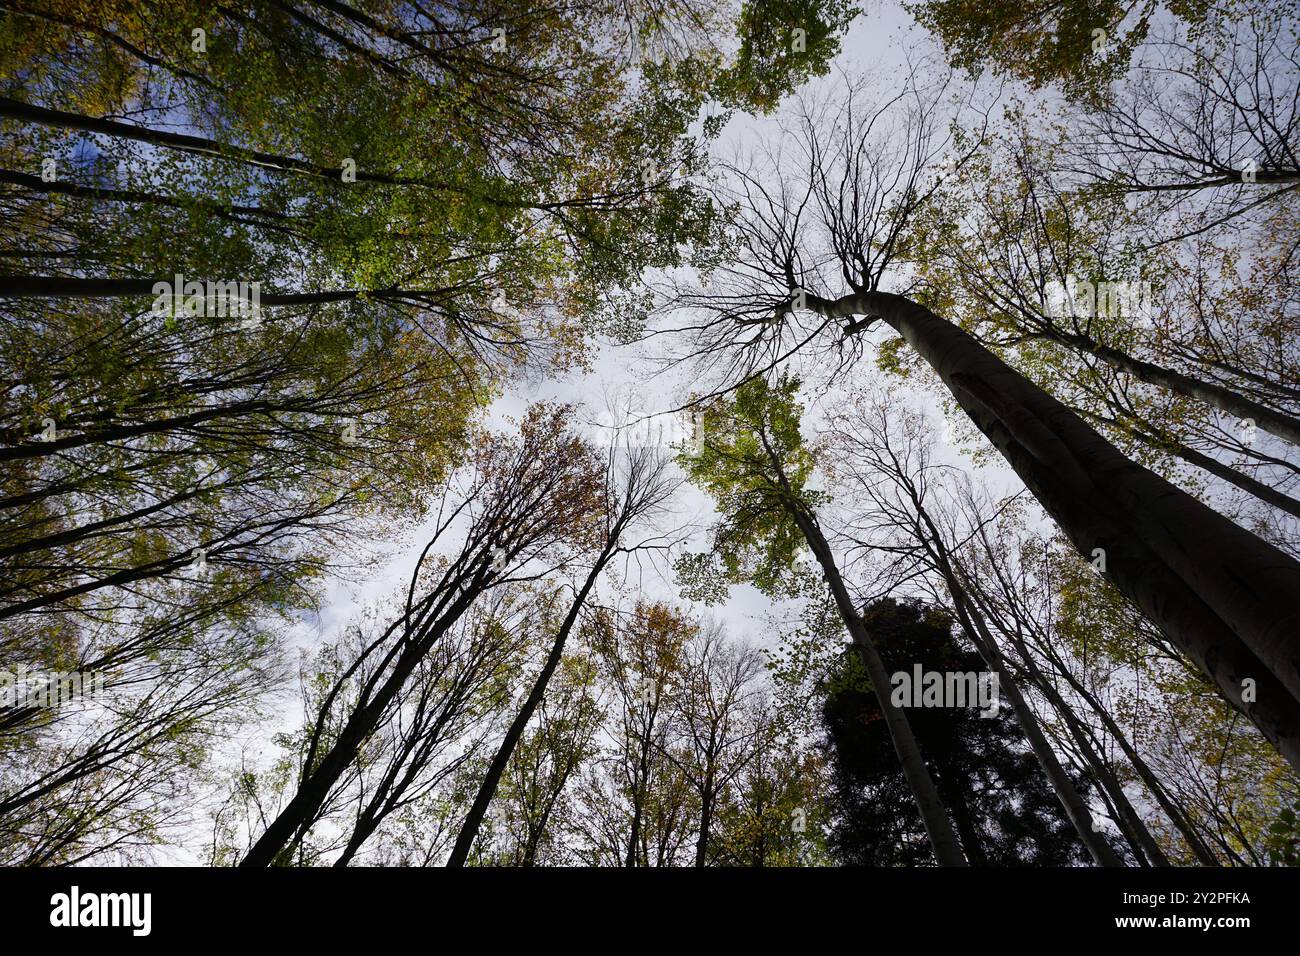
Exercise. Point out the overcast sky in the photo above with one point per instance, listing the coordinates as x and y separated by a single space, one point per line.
882 41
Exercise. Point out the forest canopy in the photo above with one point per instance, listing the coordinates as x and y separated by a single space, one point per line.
651 433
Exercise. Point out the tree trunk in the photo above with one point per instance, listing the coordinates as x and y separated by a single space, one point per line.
972 622
1212 394
1127 818
962 817
289 825
1222 595
488 786
943 840
1184 826
59 119
1076 809
638 799
706 821
71 287
232 212
1265 493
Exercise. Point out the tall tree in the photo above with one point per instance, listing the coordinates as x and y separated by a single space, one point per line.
884 461
530 499
755 466
635 484
1177 558
1001 803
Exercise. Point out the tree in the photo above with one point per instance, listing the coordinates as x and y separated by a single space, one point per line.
425 200
1083 45
716 734
884 464
755 466
534 498
1176 558
1001 804
1144 359
775 812
534 797
635 484
641 659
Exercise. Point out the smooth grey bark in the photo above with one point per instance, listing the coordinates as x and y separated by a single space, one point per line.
938 826
1080 815
1175 814
943 839
1203 854
973 624
1225 597
1076 808
1216 396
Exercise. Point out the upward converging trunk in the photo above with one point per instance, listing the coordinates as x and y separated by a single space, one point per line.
934 815
1225 597
488 786
1211 393
1048 687
1076 809
977 632
1145 849
1254 486
943 839
287 828
1014 632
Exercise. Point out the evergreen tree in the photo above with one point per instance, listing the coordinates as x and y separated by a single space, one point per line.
1002 807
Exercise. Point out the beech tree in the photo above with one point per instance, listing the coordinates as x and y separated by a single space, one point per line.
536 790
1177 558
712 712
426 200
1051 276
1003 807
754 464
636 484
635 806
640 654
268 271
920 524
881 451
529 500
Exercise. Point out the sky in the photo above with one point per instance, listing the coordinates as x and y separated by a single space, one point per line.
881 41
